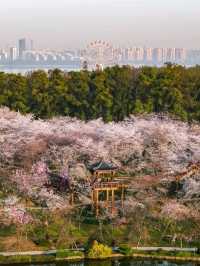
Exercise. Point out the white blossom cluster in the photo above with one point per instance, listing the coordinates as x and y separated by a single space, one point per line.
134 144
170 143
176 211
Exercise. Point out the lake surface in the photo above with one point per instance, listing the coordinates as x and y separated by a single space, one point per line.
25 69
126 262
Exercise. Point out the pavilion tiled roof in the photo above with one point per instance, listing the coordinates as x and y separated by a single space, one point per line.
101 165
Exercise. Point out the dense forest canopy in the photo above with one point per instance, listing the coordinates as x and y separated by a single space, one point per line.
112 94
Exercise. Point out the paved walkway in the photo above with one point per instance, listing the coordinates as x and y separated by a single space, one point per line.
53 252
166 249
30 253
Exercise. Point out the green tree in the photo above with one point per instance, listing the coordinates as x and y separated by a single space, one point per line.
112 94
13 92
38 94
139 108
100 98
58 93
78 95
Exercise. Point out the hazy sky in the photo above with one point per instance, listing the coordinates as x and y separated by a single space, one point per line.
72 23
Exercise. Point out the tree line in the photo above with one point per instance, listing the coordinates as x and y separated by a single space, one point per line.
112 94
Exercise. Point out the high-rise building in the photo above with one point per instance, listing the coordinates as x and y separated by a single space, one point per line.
25 45
13 53
140 54
125 54
132 54
180 54
157 55
3 56
165 55
148 54
171 55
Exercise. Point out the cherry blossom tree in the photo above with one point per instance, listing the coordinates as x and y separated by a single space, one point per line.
135 144
176 211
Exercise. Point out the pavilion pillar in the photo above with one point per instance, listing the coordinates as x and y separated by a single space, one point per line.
113 200
122 198
72 198
107 197
97 203
92 198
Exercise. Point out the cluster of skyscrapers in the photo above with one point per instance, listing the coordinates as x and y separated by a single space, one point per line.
15 53
148 56
155 55
24 53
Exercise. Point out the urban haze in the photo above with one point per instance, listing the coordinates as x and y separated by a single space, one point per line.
65 24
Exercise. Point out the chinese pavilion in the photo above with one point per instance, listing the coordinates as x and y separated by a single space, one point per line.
103 179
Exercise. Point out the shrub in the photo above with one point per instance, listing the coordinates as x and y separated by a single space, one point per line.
126 250
26 259
184 254
42 258
38 235
68 253
99 251
7 230
15 259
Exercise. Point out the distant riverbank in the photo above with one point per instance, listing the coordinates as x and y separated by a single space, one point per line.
23 69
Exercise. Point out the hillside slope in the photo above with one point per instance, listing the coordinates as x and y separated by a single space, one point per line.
151 150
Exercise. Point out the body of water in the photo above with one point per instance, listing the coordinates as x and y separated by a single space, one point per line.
124 262
25 69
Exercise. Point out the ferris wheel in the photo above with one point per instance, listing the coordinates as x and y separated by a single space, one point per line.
99 52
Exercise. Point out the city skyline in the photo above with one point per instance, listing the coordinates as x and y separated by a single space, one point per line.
84 45
60 24
98 52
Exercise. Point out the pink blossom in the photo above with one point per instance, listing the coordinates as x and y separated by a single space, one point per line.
176 211
138 143
18 215
36 178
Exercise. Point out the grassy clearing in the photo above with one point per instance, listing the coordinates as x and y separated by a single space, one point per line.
166 253
60 254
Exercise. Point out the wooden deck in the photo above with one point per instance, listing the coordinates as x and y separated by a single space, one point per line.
103 186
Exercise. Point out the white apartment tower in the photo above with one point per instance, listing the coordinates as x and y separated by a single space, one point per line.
13 53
